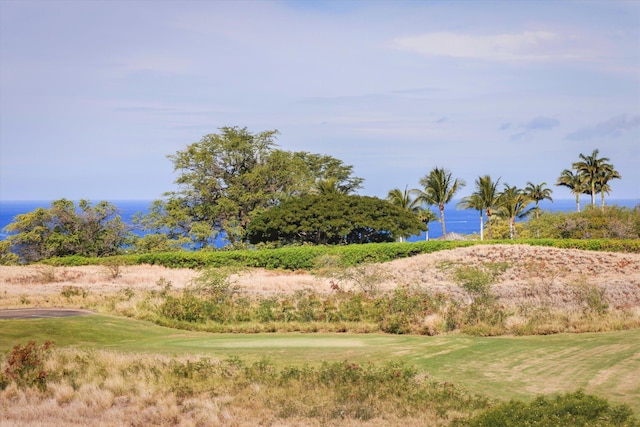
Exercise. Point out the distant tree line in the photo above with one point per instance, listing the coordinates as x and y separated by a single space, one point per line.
239 186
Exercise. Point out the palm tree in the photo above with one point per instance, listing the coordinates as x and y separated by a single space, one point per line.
575 182
403 200
512 204
474 202
591 168
329 186
427 216
538 193
439 189
483 199
607 173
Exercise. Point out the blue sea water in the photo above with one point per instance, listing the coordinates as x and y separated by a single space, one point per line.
459 221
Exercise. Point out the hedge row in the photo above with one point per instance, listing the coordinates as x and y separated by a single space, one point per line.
306 257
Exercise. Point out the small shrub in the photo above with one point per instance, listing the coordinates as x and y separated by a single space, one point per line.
72 291
114 267
25 366
590 296
45 274
216 281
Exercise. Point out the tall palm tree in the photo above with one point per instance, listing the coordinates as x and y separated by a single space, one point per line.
607 173
574 182
512 204
538 193
404 200
487 189
590 166
483 199
439 189
474 202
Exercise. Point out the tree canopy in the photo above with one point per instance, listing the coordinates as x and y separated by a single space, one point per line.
225 179
333 219
64 229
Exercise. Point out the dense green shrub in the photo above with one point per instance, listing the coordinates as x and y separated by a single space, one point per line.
570 409
307 257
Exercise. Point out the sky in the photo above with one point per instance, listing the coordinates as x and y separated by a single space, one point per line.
95 94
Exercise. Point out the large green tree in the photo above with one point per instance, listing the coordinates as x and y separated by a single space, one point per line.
438 189
66 229
227 178
333 219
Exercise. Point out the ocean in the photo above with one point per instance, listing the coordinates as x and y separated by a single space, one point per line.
459 221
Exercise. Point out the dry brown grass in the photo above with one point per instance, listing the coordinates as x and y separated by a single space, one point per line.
103 388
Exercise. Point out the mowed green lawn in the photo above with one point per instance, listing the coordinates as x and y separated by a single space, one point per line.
606 364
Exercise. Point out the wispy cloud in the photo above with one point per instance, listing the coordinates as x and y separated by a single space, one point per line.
534 125
541 123
612 128
526 46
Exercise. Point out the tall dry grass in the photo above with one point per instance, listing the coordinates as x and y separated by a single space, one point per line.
104 388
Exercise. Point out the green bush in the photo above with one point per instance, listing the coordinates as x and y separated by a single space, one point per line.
307 257
570 409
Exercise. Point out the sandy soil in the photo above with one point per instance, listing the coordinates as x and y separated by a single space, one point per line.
535 275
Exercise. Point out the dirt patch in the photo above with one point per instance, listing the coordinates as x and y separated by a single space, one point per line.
39 313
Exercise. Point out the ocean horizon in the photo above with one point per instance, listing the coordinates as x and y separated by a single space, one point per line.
457 220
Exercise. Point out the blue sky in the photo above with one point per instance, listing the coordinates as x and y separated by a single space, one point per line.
95 94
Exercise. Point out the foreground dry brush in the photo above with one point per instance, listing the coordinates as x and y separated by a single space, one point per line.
112 389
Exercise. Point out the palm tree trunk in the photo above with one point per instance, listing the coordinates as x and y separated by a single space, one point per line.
481 226
602 194
444 229
578 202
593 195
512 226
489 235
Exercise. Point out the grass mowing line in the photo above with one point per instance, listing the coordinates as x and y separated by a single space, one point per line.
606 364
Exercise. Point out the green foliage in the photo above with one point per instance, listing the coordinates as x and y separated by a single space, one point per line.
439 189
333 219
592 297
569 409
69 292
225 179
309 257
614 222
65 230
26 366
216 281
483 314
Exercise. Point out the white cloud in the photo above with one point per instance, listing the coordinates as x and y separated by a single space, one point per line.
612 128
526 46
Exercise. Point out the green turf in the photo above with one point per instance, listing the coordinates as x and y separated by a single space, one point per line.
606 364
